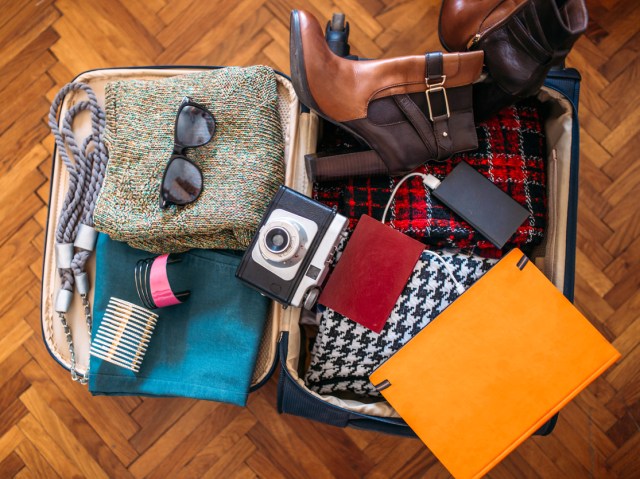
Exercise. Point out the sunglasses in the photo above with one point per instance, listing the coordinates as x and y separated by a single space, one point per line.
182 179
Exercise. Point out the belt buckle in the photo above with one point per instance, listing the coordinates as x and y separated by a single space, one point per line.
434 88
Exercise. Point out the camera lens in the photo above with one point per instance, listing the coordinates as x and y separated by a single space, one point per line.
277 240
280 241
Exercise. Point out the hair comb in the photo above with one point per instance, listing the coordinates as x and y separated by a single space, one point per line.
123 335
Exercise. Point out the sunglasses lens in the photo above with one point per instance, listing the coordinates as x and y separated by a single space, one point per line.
182 182
194 127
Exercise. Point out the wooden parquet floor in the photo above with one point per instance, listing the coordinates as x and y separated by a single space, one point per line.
51 427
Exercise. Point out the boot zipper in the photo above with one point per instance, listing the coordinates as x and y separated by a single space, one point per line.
474 40
478 36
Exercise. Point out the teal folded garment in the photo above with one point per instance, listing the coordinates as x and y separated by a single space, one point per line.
205 348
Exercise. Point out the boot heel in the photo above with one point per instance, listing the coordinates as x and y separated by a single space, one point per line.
328 166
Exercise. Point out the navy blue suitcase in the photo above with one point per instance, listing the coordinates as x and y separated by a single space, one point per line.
294 398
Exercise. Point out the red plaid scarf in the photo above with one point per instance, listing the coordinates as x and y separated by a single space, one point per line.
511 153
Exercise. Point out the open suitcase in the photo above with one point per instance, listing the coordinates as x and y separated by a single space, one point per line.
556 258
281 341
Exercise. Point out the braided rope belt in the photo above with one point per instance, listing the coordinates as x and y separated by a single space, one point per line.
75 236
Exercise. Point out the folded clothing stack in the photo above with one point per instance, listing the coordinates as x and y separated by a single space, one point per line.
205 348
345 353
511 153
242 166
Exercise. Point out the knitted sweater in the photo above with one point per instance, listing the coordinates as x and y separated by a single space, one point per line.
242 166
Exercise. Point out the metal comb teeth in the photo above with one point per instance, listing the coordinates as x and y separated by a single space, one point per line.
124 334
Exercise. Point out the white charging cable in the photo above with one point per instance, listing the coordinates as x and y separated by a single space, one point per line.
429 181
432 183
459 286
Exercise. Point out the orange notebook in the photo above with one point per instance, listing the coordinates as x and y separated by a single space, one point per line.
493 367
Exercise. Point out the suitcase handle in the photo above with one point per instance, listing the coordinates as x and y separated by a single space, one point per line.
399 428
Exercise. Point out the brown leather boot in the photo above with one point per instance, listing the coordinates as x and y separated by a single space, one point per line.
521 39
409 110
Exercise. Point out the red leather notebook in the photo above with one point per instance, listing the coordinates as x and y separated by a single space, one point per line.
371 273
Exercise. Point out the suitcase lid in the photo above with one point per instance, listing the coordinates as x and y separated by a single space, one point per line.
52 330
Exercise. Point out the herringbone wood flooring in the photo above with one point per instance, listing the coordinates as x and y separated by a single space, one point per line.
52 427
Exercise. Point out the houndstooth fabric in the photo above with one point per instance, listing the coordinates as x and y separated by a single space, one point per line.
345 353
511 153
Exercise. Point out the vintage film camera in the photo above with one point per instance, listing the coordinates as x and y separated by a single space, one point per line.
288 258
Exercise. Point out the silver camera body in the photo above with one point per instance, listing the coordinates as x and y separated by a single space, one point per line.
289 257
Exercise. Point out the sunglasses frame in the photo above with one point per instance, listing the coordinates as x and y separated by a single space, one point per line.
179 151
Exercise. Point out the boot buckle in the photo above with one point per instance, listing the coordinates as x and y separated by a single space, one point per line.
434 88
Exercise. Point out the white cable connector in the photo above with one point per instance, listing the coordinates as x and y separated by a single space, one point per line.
431 181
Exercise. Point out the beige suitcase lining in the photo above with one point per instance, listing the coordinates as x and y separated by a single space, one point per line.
549 257
51 326
300 131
